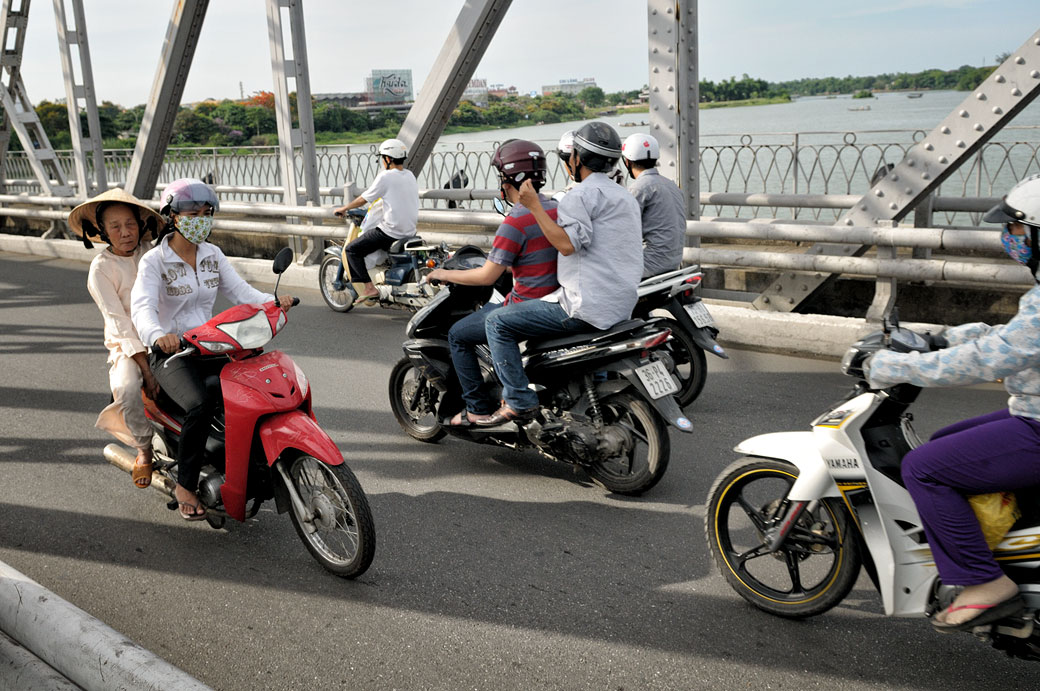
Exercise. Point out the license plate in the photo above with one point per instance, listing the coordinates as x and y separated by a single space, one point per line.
657 380
699 314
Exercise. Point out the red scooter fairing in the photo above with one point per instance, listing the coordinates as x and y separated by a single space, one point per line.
254 388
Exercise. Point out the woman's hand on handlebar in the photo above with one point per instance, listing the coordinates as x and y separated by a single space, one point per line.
287 301
168 343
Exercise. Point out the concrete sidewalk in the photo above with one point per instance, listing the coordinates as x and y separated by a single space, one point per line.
809 335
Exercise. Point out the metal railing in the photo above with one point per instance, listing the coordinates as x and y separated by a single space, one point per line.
823 165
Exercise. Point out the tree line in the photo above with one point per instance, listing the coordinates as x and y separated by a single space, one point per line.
251 122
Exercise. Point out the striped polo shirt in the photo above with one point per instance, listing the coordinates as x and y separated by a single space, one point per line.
520 243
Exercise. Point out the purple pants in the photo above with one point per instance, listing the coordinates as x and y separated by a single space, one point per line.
989 453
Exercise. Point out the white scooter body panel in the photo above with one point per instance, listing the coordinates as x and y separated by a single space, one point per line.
801 450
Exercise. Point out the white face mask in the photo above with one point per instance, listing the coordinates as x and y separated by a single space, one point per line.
195 229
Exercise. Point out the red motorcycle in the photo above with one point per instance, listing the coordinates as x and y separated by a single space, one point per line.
265 441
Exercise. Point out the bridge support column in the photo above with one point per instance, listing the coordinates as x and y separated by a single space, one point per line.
92 179
182 36
675 94
464 47
289 137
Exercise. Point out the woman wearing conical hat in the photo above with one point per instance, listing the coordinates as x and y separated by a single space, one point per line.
126 225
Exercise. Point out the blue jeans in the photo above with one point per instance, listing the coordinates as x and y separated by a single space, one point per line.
991 453
463 337
508 326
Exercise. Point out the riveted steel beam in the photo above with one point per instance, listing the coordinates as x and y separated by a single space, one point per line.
92 179
1011 87
19 113
182 36
293 68
675 93
464 47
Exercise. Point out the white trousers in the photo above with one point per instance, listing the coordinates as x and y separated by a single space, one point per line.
124 418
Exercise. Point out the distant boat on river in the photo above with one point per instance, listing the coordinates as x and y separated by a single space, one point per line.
860 108
641 123
915 95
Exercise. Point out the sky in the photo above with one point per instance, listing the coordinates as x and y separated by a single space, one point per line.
539 42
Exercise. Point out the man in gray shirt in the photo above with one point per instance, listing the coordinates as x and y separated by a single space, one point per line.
597 234
662 206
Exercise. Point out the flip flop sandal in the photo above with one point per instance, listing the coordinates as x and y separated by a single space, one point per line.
988 614
466 419
194 515
142 474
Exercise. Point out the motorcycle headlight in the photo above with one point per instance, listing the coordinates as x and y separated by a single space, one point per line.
301 379
216 346
250 333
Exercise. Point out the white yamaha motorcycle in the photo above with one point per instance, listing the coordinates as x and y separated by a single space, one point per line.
790 523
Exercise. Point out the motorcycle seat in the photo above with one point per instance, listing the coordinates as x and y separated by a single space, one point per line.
404 244
594 336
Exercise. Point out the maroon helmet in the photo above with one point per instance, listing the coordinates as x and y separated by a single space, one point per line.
517 160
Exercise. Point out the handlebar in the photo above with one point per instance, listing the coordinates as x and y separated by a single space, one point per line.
295 301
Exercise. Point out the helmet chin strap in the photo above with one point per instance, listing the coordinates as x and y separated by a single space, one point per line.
1034 254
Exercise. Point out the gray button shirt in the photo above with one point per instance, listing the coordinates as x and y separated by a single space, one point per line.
598 281
663 207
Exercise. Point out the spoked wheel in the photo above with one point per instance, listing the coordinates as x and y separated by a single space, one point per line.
691 367
815 567
342 535
413 401
644 458
338 300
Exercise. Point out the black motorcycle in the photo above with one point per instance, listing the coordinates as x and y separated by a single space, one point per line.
606 397
693 329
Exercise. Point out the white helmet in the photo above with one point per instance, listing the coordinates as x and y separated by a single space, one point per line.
394 148
1022 204
566 145
640 147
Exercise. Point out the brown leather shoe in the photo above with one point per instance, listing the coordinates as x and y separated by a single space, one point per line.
467 419
506 414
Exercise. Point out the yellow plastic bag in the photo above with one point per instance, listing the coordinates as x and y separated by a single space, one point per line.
997 512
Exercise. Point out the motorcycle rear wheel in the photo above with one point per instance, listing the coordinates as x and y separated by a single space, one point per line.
405 384
337 300
691 366
815 567
344 541
644 465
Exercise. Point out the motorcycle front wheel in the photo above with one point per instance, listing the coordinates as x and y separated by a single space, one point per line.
342 535
815 567
412 400
642 466
337 300
691 366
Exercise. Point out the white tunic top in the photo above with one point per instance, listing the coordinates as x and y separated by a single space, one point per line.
394 197
109 282
171 297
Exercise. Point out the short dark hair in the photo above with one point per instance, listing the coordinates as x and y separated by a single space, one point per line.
395 161
645 163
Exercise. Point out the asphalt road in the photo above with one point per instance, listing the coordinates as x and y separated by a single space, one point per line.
494 569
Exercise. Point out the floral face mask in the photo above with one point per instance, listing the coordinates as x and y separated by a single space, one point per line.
1015 246
195 229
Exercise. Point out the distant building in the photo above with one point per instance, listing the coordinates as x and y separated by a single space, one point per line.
568 86
476 93
502 91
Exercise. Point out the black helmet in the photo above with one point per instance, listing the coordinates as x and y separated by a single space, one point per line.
598 146
517 160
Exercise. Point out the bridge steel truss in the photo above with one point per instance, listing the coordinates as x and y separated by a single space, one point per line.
1011 87
673 79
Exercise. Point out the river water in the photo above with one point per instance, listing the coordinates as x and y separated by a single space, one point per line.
889 114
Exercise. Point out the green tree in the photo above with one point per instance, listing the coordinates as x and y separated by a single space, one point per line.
191 128
592 96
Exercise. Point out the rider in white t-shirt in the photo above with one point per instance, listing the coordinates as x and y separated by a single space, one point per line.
393 214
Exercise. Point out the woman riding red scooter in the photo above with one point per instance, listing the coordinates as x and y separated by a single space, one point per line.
177 284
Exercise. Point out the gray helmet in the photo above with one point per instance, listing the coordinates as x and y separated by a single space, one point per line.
598 146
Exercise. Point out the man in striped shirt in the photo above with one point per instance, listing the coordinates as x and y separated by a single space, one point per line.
519 245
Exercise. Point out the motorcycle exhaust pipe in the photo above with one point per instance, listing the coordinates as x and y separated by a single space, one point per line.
123 459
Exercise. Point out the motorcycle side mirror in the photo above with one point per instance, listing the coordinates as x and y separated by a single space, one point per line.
500 206
282 260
